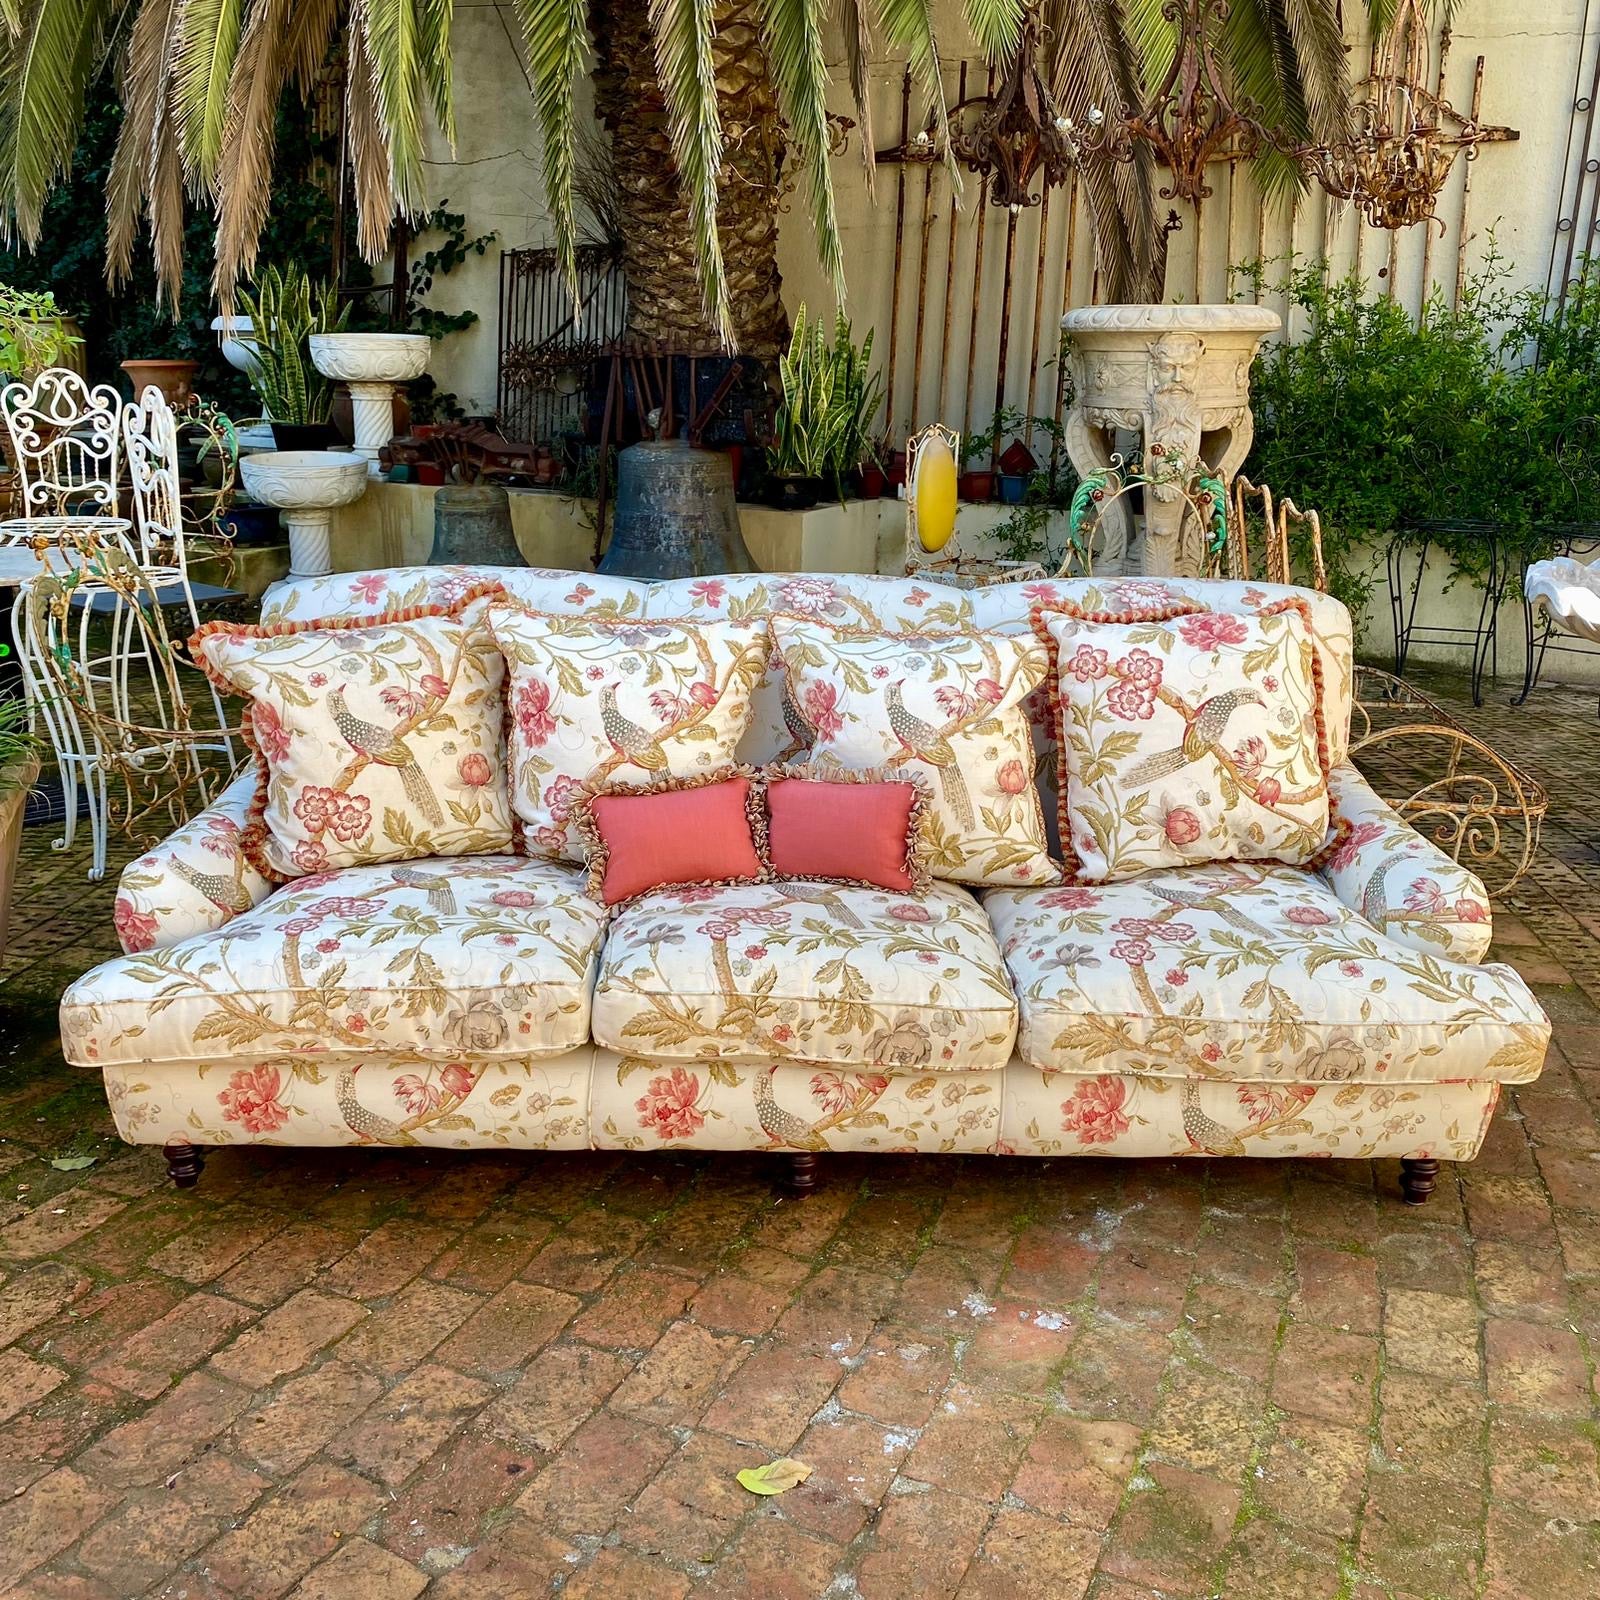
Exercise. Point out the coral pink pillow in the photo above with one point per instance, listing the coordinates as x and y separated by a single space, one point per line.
850 827
681 830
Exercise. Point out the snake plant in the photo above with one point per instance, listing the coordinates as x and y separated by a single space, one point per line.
285 310
830 396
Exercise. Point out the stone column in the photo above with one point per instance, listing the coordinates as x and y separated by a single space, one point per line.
1179 377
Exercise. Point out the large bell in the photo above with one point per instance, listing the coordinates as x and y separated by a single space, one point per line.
676 516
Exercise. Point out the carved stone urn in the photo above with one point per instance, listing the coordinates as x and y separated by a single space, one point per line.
1179 378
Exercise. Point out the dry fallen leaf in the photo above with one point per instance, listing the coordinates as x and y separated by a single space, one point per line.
775 1477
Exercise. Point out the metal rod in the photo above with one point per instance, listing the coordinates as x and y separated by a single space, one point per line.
1199 241
1583 163
1466 189
1427 231
899 233
1233 189
605 445
1361 227
1005 331
1066 305
950 267
981 218
1037 316
922 289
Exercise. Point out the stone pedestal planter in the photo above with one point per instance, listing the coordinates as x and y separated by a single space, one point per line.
1178 377
306 486
372 365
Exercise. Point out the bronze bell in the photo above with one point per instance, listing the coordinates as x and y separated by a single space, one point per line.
676 515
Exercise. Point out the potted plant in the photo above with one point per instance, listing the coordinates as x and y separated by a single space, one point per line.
285 311
977 483
830 395
19 770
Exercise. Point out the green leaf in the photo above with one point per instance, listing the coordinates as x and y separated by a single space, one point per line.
72 1163
775 1477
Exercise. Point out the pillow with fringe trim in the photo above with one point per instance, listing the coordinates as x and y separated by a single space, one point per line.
833 826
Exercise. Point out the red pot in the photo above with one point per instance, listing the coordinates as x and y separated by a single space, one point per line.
976 486
873 483
430 473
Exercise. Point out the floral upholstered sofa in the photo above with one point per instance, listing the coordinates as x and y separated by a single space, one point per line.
1243 1008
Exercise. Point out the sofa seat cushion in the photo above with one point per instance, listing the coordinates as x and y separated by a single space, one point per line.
481 957
1250 971
808 972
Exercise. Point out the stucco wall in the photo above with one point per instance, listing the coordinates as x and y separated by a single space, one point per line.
1531 52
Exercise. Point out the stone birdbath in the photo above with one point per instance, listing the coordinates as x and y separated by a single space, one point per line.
373 365
1179 378
306 486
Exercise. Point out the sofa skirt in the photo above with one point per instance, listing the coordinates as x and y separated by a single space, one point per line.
592 1098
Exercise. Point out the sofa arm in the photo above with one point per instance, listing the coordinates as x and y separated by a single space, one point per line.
1407 888
195 880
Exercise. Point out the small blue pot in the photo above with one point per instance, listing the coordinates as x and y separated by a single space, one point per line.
1012 488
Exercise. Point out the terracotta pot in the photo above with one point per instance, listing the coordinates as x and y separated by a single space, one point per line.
874 482
15 782
976 486
175 379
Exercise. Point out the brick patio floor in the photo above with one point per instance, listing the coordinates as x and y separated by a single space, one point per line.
372 1374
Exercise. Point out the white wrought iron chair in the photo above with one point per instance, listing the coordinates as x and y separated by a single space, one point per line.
63 438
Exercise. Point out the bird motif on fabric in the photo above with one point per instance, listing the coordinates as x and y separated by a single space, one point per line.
780 1126
1216 905
801 737
628 738
926 743
366 1123
1204 727
1204 1132
441 897
385 747
227 893
821 895
1374 907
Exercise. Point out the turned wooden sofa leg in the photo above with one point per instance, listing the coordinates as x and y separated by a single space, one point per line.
185 1163
1418 1175
803 1171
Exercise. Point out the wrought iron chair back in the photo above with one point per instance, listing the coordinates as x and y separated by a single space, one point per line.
1277 524
63 437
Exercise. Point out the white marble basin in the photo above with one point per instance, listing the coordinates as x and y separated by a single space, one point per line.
236 337
371 357
296 480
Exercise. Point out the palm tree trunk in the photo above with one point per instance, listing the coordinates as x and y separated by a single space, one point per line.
657 242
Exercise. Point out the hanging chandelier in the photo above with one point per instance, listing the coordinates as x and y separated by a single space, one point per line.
1021 132
1407 136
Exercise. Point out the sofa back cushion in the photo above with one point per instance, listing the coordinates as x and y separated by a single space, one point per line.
839 600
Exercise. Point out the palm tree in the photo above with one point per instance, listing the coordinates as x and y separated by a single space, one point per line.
705 100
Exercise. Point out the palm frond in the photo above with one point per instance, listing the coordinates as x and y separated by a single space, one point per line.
857 34
393 40
681 33
908 25
1093 64
435 19
244 174
556 38
996 25
1318 39
207 45
792 32
44 75
145 162
306 38
369 151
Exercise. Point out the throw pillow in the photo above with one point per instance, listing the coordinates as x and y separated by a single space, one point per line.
847 827
701 830
591 701
377 738
947 706
1186 736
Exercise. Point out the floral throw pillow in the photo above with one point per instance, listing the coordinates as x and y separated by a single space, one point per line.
592 702
378 738
947 707
1187 736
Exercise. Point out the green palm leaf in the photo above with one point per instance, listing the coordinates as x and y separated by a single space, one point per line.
393 38
208 42
857 59
681 31
556 38
908 25
792 30
996 25
48 63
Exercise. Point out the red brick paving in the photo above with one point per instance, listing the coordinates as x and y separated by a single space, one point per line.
382 1375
